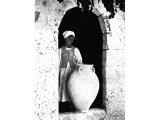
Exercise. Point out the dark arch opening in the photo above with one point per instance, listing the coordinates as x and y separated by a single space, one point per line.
89 41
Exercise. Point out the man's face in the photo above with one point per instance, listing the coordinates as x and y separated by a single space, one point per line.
69 40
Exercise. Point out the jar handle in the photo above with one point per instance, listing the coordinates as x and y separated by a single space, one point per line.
93 70
80 69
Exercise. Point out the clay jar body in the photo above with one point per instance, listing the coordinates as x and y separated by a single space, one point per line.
83 86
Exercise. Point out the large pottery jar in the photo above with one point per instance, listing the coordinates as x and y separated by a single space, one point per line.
83 86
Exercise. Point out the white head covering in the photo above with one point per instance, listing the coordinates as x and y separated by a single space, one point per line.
68 33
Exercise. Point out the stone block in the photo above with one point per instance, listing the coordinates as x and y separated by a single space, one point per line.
115 58
117 39
115 92
115 74
116 110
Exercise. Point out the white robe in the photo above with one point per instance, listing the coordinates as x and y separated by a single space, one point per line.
64 73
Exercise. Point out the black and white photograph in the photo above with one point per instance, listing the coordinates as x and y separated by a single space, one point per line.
79 60
80 47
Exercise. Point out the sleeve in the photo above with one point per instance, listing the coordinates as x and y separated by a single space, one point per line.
78 57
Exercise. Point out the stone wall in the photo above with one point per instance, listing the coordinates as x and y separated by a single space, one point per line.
46 57
115 68
46 46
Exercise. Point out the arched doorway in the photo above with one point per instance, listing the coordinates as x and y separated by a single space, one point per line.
90 41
